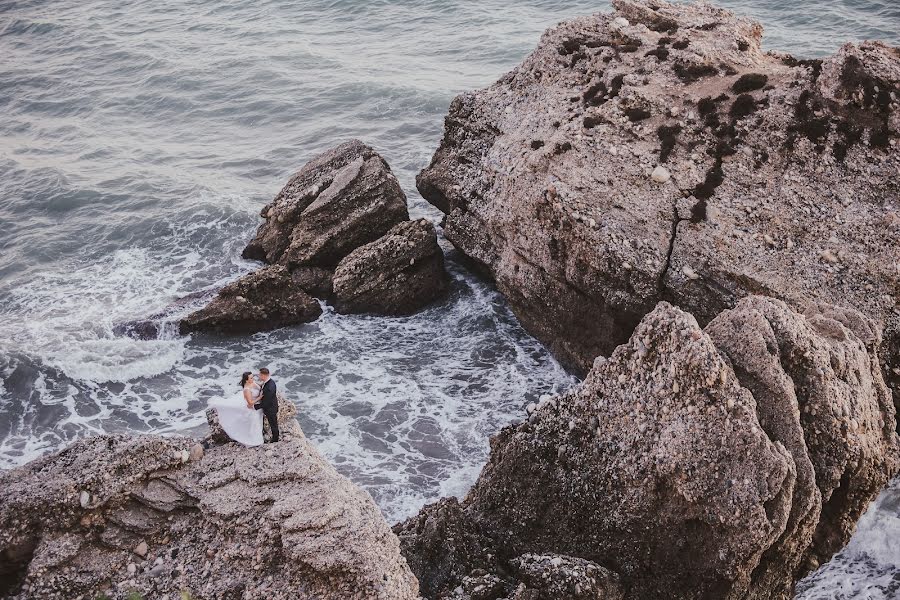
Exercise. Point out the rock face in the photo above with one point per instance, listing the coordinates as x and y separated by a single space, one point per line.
658 153
395 275
266 299
722 463
343 210
337 202
116 514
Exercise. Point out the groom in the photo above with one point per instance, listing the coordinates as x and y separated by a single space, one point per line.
268 402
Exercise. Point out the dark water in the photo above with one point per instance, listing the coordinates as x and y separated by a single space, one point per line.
138 141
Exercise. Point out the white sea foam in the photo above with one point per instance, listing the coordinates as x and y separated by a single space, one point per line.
869 567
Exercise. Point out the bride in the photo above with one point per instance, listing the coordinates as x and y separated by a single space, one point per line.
238 418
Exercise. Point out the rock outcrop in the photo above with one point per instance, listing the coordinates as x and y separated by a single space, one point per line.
117 514
265 299
717 463
658 153
344 211
337 202
395 275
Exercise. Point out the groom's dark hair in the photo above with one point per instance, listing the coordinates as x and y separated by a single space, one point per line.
264 371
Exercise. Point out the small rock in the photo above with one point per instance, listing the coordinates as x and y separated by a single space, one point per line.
689 272
131 568
196 452
660 174
141 549
84 498
828 256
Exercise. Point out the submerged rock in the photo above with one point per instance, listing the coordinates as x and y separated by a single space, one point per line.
395 275
260 301
337 202
276 521
694 464
663 138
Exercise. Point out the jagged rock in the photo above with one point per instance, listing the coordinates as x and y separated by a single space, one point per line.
165 321
276 521
314 280
693 464
395 275
260 301
548 577
546 176
442 546
337 202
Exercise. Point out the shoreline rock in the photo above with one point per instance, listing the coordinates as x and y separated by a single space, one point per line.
657 153
115 514
339 231
395 275
720 463
260 301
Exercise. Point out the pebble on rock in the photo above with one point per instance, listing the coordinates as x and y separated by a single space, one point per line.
660 174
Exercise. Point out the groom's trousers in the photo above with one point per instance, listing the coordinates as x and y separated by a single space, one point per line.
271 414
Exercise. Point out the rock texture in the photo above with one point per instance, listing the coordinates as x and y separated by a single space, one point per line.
266 299
159 516
395 275
344 211
718 463
657 153
337 202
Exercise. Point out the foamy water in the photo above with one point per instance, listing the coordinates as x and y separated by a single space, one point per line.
140 140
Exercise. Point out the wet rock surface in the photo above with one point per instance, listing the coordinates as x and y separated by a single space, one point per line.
395 275
717 463
339 230
337 202
265 299
160 516
657 153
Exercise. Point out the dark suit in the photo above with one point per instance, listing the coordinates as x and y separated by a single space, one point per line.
268 403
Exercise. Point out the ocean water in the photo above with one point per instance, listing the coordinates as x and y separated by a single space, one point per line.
138 141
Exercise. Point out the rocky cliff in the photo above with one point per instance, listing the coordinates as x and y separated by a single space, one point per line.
657 153
160 516
723 462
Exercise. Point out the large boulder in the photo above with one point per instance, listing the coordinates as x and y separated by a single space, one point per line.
397 274
338 201
265 299
658 153
113 515
722 463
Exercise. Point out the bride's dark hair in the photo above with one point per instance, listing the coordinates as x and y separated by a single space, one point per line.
245 377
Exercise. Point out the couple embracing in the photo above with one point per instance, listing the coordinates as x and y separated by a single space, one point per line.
241 417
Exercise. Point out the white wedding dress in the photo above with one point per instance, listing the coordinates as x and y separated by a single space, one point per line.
242 424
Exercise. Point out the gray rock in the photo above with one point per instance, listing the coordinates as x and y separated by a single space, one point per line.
719 463
260 301
761 144
281 521
395 275
337 202
549 577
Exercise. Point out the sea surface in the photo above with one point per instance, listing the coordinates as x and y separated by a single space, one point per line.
138 141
